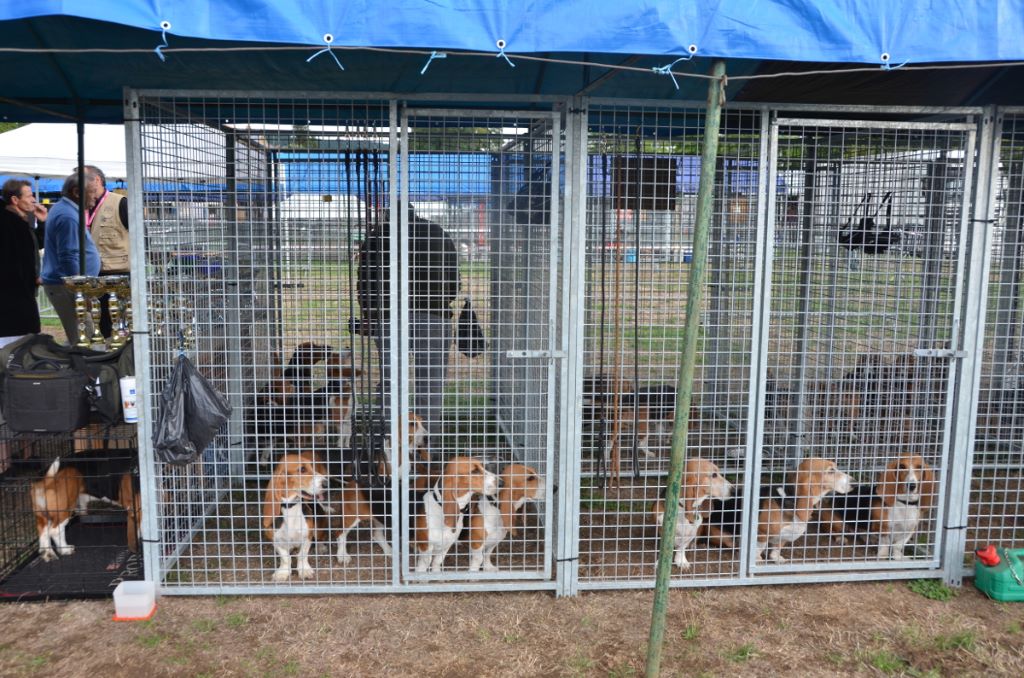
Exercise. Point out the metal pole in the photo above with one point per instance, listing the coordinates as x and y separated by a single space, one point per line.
80 127
694 294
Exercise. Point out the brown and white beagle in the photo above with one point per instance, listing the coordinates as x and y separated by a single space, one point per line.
69 485
440 518
360 502
490 522
783 519
888 512
701 482
784 511
289 515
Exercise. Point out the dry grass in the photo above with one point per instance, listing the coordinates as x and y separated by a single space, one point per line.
842 629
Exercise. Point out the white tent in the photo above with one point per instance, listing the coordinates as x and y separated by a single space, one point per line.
51 150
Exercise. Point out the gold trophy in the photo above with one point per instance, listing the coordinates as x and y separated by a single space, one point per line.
120 289
94 292
80 284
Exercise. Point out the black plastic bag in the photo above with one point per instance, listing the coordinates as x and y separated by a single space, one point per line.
866 234
192 412
470 337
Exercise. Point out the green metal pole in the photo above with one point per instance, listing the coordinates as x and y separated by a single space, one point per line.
694 295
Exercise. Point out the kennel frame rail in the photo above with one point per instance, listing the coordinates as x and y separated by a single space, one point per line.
566 571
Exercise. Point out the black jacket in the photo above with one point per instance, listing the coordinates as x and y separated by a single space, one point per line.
19 257
433 270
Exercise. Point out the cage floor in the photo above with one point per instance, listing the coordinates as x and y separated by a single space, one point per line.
100 562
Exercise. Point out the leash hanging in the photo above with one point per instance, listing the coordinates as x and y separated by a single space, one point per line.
602 469
636 301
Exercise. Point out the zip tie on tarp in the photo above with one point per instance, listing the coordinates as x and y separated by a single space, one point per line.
886 59
433 55
164 27
500 44
328 38
667 70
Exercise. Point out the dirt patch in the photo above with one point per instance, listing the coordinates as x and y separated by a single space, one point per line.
838 629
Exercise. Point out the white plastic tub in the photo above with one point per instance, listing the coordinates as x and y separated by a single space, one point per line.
134 600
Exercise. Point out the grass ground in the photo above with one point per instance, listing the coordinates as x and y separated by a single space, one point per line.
838 629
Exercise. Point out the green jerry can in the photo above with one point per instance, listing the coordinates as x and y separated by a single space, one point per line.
999 573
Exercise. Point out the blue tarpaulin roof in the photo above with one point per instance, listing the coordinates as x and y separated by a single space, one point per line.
73 58
858 31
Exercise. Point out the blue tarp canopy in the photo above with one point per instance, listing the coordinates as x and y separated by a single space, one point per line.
595 47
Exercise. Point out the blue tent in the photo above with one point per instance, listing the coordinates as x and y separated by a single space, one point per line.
73 58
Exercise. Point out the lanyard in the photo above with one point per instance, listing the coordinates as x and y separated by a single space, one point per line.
92 214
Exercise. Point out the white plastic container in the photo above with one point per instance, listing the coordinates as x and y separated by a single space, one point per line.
134 600
129 403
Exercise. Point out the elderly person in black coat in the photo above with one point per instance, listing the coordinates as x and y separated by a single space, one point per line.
19 261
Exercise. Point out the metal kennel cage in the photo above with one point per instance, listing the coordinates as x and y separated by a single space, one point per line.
843 295
98 548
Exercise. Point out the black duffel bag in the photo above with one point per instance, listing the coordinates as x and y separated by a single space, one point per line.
51 388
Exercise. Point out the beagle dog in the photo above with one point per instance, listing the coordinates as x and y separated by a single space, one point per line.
701 482
650 408
440 518
490 522
890 511
784 511
363 500
69 485
290 511
288 412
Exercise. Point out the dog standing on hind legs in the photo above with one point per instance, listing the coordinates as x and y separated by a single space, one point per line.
491 522
701 482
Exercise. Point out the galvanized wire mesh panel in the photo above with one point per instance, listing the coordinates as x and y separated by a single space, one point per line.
996 509
492 192
865 291
254 211
642 175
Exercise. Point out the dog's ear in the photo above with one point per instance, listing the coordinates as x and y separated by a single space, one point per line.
888 484
929 486
507 506
690 490
271 498
451 506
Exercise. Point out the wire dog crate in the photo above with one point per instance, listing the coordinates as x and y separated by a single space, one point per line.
320 260
92 552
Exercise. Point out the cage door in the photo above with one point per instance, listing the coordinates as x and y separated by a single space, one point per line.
864 298
480 357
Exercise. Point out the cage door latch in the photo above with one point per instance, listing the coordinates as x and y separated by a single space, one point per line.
534 354
939 353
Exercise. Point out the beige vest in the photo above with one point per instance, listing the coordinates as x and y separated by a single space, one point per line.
110 236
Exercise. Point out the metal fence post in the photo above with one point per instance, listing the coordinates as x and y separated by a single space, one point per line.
979 266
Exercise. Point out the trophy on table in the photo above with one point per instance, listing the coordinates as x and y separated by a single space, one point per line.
120 289
80 285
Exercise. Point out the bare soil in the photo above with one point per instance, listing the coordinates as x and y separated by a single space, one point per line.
836 629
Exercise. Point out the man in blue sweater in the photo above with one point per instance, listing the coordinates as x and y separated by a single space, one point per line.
61 255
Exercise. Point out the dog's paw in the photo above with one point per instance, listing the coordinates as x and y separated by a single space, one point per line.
343 558
490 567
305 572
48 555
681 564
66 550
281 575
